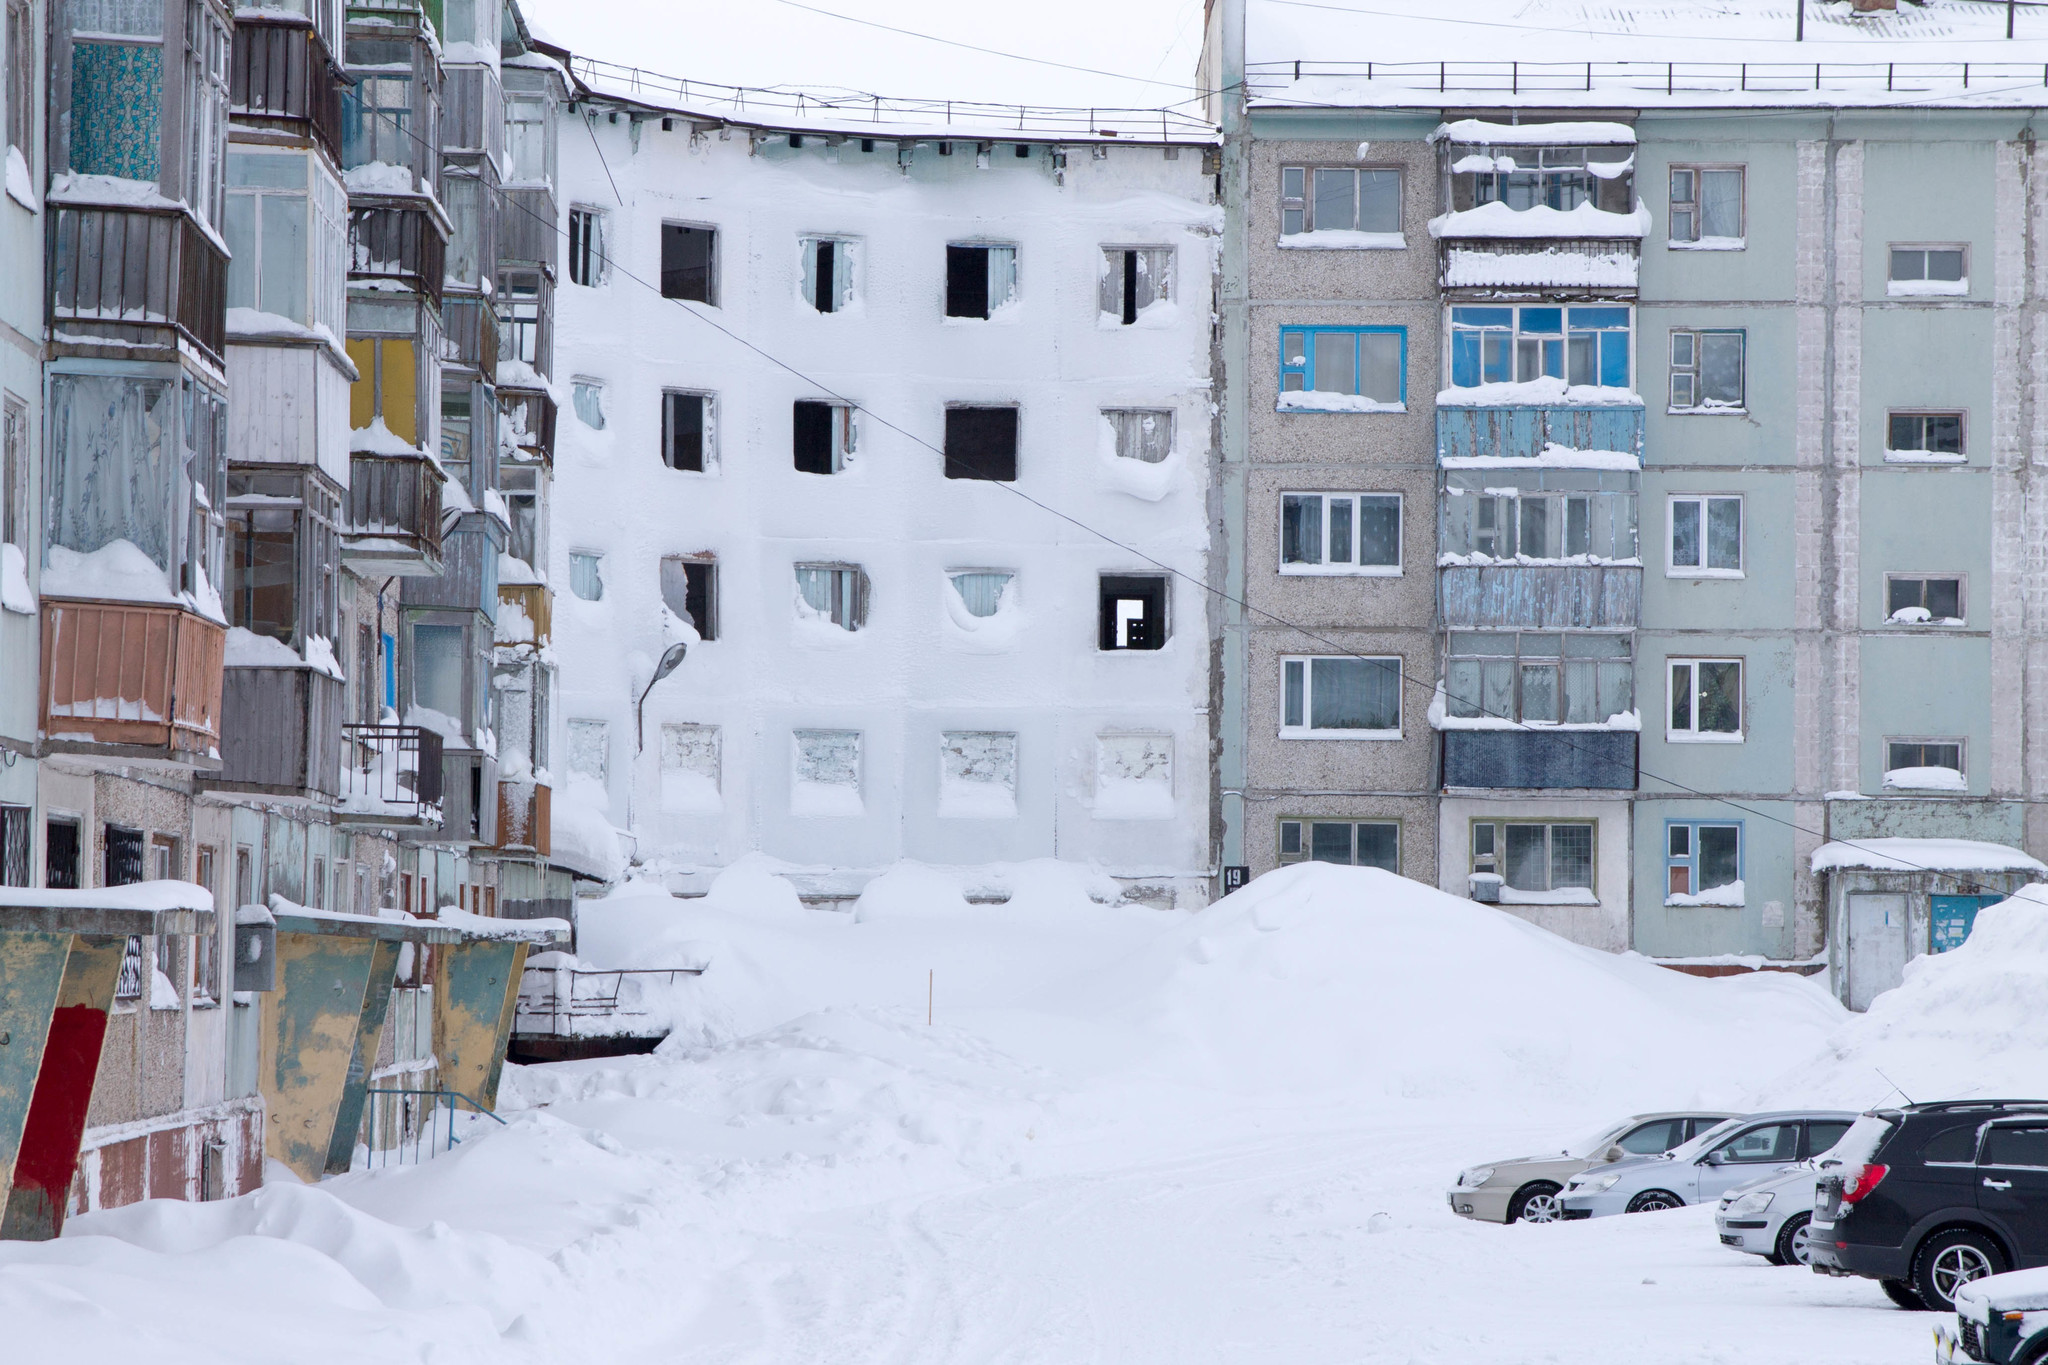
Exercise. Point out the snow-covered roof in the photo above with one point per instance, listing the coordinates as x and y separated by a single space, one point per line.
1923 855
162 907
1562 54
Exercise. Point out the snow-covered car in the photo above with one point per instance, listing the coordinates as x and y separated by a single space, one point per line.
1525 1189
1733 1153
2002 1319
1770 1216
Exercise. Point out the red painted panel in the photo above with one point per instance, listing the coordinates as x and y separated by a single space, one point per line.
121 1170
250 1177
56 1115
169 1163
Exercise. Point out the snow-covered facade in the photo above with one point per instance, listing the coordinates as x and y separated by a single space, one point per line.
829 403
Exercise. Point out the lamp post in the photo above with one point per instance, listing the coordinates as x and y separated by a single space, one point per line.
670 662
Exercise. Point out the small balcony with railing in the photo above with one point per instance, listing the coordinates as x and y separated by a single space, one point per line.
136 275
390 775
397 239
284 74
131 680
394 515
1535 207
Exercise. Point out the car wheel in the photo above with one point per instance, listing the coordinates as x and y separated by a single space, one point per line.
1950 1259
1536 1202
1649 1201
1790 1248
1901 1292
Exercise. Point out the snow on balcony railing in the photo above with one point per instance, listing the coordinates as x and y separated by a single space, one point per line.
1523 263
1281 83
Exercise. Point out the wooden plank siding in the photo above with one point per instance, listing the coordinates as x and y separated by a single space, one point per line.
524 817
282 732
1541 597
283 70
138 266
304 415
1524 432
132 674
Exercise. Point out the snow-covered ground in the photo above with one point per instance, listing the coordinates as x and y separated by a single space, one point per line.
1126 1136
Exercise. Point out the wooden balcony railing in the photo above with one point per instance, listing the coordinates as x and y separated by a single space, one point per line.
532 414
536 602
527 231
524 812
282 732
138 266
282 69
394 520
470 333
142 677
398 241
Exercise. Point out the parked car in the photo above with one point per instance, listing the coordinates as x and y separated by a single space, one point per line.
2000 1319
1772 1217
1715 1162
1932 1196
1525 1189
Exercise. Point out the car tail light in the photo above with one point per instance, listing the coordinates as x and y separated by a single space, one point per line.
1863 1182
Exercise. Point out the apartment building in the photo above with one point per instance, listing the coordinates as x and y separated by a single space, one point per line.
849 400
1704 391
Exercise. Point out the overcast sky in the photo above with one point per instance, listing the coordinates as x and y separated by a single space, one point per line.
771 42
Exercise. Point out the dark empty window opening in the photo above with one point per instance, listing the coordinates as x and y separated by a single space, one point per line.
124 857
689 262
822 436
690 588
586 247
685 430
981 443
1135 278
1133 611
60 854
979 279
825 276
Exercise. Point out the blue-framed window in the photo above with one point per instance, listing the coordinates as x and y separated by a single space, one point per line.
1357 362
1580 344
390 672
1702 857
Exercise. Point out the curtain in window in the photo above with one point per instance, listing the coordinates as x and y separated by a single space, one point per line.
515 721
1354 694
1571 856
1720 698
1721 367
586 577
1379 531
982 592
437 670
588 400
1720 203
1002 276
834 593
113 465
1301 529
1142 434
1528 863
117 98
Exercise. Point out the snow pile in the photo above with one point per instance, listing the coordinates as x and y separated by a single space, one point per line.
1968 1023
1314 400
1926 779
1470 268
1924 855
1498 220
14 592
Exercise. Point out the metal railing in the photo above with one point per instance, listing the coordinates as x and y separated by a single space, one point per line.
544 1006
391 772
407 1127
1270 79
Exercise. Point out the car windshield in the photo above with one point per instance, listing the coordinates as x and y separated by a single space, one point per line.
1705 1141
1592 1145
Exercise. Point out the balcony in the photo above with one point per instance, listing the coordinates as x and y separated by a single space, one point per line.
534 603
1540 760
469 333
468 580
1525 433
1541 597
132 680
122 271
394 521
531 414
283 71
400 239
524 817
390 775
527 233
281 732
1558 267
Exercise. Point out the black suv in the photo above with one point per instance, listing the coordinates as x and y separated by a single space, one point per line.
1947 1193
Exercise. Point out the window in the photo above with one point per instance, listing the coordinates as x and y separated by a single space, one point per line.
1775 1142
363 677
1821 1137
586 247
1341 698
977 775
1372 843
1706 537
21 81
1144 434
1951 1147
266 232
262 587
586 574
1913 600
833 592
1653 1138
827 273
440 674
14 473
1328 199
1906 762
687 430
689 587
61 853
1706 371
2005 1146
1340 533
1700 859
1135 278
590 750
526 308
1706 700
129 983
524 539
1923 271
1530 856
15 829
1539 677
982 590
1580 345
1706 206
1560 178
1348 369
587 397
825 773
822 436
981 443
529 140
125 859
1925 438
979 280
689 263
1133 776
206 946
1496 515
1132 612
690 769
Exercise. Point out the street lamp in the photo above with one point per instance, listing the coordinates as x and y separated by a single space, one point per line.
670 662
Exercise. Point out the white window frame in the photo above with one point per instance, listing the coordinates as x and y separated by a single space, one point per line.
1672 568
1353 569
1692 370
845 273
1700 241
1938 623
595 263
1367 239
1306 730
1924 288
1695 735
1921 455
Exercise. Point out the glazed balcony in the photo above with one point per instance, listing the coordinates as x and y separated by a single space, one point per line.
1558 267
470 333
390 775
1541 760
1526 432
282 732
394 520
283 74
135 274
1541 597
527 233
132 680
531 414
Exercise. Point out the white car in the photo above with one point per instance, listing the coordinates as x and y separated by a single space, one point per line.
1770 1217
1735 1153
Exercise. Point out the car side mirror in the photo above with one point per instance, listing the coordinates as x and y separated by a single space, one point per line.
1614 1153
1712 1159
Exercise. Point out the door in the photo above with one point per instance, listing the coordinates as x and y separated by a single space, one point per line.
1749 1155
1951 918
1877 945
2012 1185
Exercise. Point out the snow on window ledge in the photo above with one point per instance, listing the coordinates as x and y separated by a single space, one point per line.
1343 239
1925 780
1711 244
1553 456
1311 400
1729 896
1927 289
1709 410
1924 457
1687 571
1687 737
1340 571
1303 732
1919 616
1537 393
14 590
1563 895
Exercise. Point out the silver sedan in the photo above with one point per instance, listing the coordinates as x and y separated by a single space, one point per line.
1525 1189
1715 1162
1770 1217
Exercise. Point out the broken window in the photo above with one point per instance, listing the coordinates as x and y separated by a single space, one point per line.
1534 857
689 263
823 436
1327 199
827 273
523 506
1361 843
979 279
586 247
1540 677
1341 697
1706 205
1340 532
586 574
1706 371
1924 434
526 306
977 775
1142 433
1706 700
981 443
825 772
1135 278
982 590
14 473
587 397
1580 345
590 746
1701 857
689 588
690 768
686 430
1361 362
1917 600
833 592
1706 536
1133 611
1923 270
